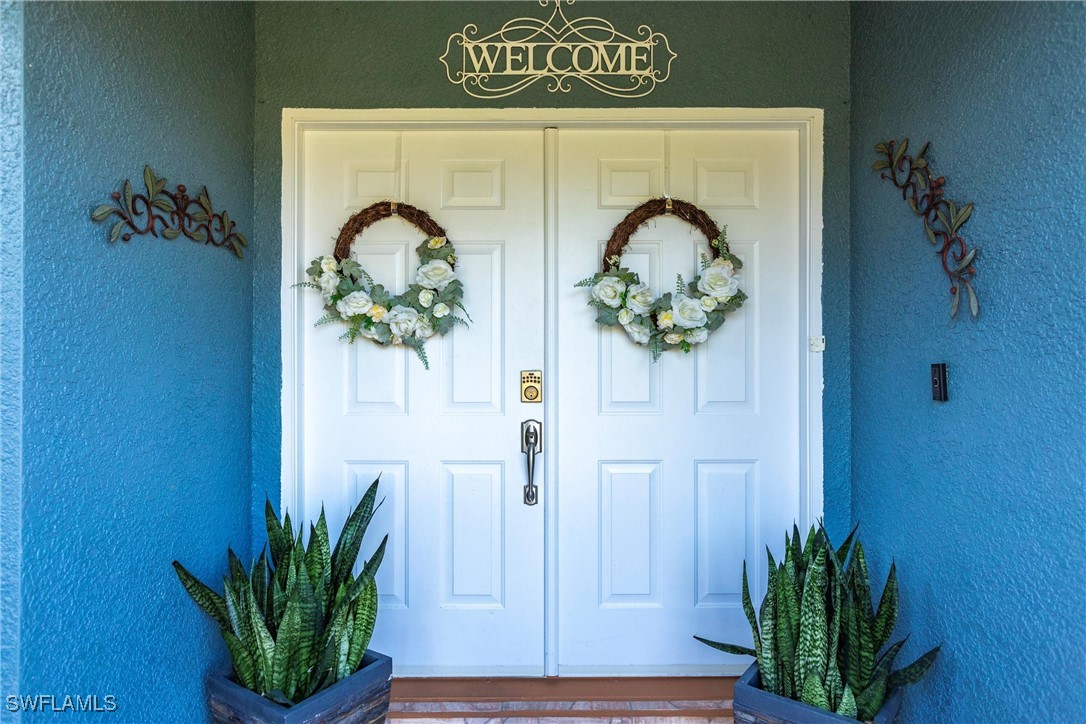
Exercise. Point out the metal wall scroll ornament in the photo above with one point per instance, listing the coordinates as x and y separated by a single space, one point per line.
942 217
169 213
525 51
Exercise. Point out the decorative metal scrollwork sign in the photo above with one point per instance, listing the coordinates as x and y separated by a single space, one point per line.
527 50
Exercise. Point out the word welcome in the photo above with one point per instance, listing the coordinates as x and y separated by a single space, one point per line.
525 51
534 58
67 703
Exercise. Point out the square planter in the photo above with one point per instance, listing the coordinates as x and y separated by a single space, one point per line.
361 698
754 705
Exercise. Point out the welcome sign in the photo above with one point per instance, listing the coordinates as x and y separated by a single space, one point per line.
525 51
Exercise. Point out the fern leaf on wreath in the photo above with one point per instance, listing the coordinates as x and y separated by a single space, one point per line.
327 319
366 275
421 352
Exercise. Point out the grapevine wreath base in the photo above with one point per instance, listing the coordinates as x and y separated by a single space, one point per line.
367 308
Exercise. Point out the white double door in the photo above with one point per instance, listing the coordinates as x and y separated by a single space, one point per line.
667 476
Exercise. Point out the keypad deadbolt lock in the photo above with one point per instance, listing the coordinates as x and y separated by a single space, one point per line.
531 385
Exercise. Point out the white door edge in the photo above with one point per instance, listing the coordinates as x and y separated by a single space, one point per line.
808 122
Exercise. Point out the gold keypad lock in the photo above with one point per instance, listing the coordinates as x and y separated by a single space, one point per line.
531 385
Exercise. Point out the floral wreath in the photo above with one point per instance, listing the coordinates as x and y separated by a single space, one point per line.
369 310
671 321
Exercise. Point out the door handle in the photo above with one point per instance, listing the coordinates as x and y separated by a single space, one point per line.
531 442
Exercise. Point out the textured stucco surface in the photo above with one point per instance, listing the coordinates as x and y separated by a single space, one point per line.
11 337
384 55
137 356
980 499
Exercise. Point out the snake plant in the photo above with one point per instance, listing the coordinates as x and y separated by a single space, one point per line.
819 639
301 621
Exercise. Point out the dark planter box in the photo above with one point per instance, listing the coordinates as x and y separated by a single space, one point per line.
361 698
754 705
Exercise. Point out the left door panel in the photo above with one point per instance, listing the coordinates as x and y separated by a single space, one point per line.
461 586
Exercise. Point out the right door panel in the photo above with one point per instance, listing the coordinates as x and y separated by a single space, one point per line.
671 474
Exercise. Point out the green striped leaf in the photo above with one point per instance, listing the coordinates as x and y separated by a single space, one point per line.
324 674
864 650
886 661
211 602
365 617
277 599
258 580
842 552
887 613
814 694
835 627
321 574
234 612
862 584
342 670
847 707
811 651
350 538
809 547
276 537
287 650
748 609
768 665
789 559
733 649
915 671
787 631
264 649
242 660
834 686
797 555
870 699
369 571
237 570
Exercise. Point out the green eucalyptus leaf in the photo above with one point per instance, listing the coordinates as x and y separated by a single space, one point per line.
103 212
900 152
974 305
149 181
930 232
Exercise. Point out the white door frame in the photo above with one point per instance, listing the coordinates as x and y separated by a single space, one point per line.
807 121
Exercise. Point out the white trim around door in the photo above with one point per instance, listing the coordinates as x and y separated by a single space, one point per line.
809 124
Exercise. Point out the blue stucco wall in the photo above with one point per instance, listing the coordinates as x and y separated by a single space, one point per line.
136 375
11 338
365 55
980 499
